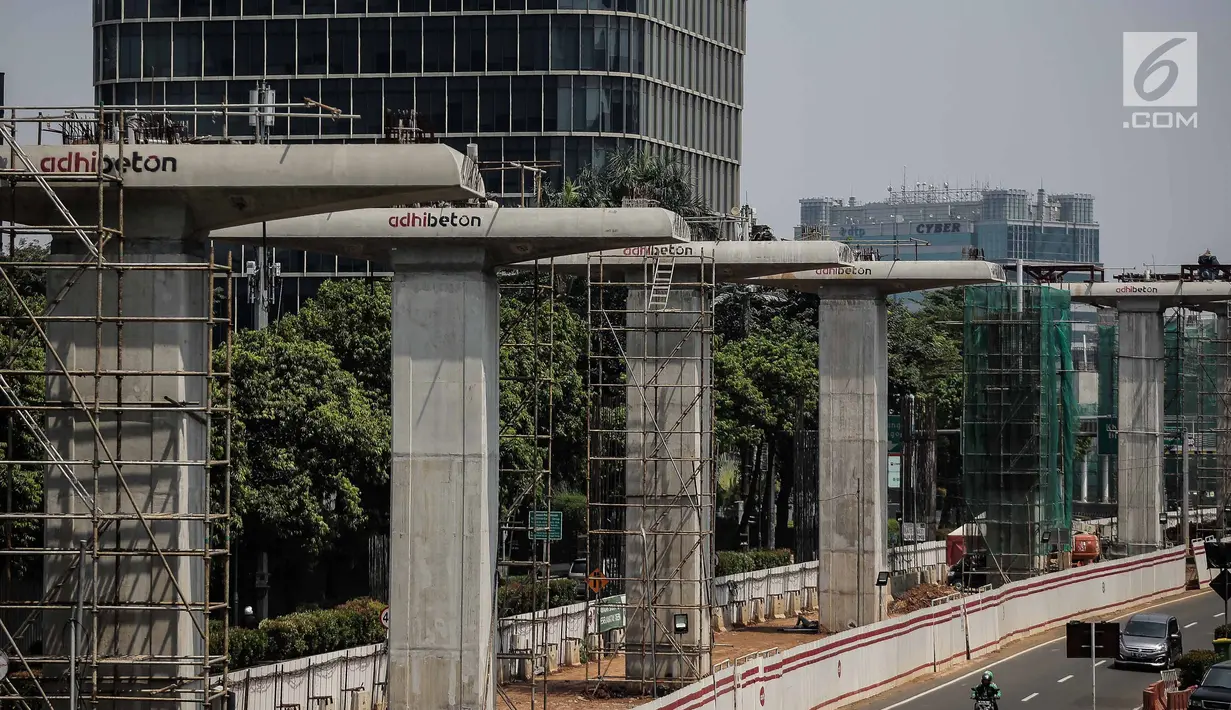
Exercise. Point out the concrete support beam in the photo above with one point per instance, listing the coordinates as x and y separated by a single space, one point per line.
853 476
444 487
170 445
668 482
1139 433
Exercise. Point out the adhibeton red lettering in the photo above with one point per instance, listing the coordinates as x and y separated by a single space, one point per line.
77 162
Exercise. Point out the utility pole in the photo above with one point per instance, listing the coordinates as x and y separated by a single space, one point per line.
908 466
262 279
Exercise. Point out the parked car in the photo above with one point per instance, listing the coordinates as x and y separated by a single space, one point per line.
1214 692
1150 640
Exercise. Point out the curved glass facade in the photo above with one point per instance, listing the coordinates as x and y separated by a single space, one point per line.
560 80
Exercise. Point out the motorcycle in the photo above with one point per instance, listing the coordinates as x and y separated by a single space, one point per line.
984 705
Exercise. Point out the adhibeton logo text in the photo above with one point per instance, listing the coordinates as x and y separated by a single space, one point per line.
1160 74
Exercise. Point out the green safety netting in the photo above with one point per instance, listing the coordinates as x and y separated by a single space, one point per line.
1020 421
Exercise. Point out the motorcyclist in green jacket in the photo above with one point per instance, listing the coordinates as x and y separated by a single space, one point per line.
986 690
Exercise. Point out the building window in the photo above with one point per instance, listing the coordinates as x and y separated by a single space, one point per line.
225 8
463 104
318 7
565 42
502 43
187 49
343 45
293 8
218 46
368 105
470 39
438 44
110 52
249 47
157 50
527 100
407 43
494 110
314 46
279 47
374 45
535 41
430 103
164 8
136 9
258 7
130 51
558 104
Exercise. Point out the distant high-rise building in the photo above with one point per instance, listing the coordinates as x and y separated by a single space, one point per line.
946 223
563 81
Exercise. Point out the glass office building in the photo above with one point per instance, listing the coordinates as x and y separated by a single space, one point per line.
563 81
568 81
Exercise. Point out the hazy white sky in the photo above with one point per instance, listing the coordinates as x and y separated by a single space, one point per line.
841 94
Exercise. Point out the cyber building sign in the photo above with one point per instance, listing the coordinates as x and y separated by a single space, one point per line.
939 228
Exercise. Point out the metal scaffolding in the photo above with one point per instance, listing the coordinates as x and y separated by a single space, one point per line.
114 589
650 472
1213 465
528 525
1019 424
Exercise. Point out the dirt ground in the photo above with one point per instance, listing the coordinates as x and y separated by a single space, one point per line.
568 689
919 597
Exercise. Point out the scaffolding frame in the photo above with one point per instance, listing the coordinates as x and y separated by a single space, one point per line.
1213 465
99 675
528 338
671 298
1019 424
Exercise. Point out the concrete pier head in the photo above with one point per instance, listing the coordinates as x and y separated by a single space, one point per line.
1139 431
149 612
669 459
853 419
444 480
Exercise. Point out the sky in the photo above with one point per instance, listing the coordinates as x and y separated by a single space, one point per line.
841 95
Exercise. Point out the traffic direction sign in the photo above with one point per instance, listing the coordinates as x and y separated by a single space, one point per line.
1221 584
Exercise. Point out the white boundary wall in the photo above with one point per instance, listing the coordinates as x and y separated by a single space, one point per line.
863 662
989 619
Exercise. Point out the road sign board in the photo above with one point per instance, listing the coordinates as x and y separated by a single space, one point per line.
1221 584
611 614
597 581
895 471
384 618
1106 639
546 527
895 433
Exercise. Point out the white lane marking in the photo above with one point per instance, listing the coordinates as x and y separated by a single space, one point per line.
1096 665
1023 652
1032 695
1067 677
1189 626
1218 615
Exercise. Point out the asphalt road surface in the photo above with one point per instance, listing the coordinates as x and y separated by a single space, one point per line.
1040 677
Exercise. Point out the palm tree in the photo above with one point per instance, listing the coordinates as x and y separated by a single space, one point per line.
633 174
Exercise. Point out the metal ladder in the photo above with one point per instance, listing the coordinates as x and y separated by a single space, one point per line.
664 271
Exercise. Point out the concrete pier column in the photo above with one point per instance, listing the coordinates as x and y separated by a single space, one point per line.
668 481
1085 477
1139 432
141 613
853 451
1105 478
443 482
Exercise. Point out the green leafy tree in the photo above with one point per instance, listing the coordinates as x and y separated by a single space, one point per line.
310 451
22 349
